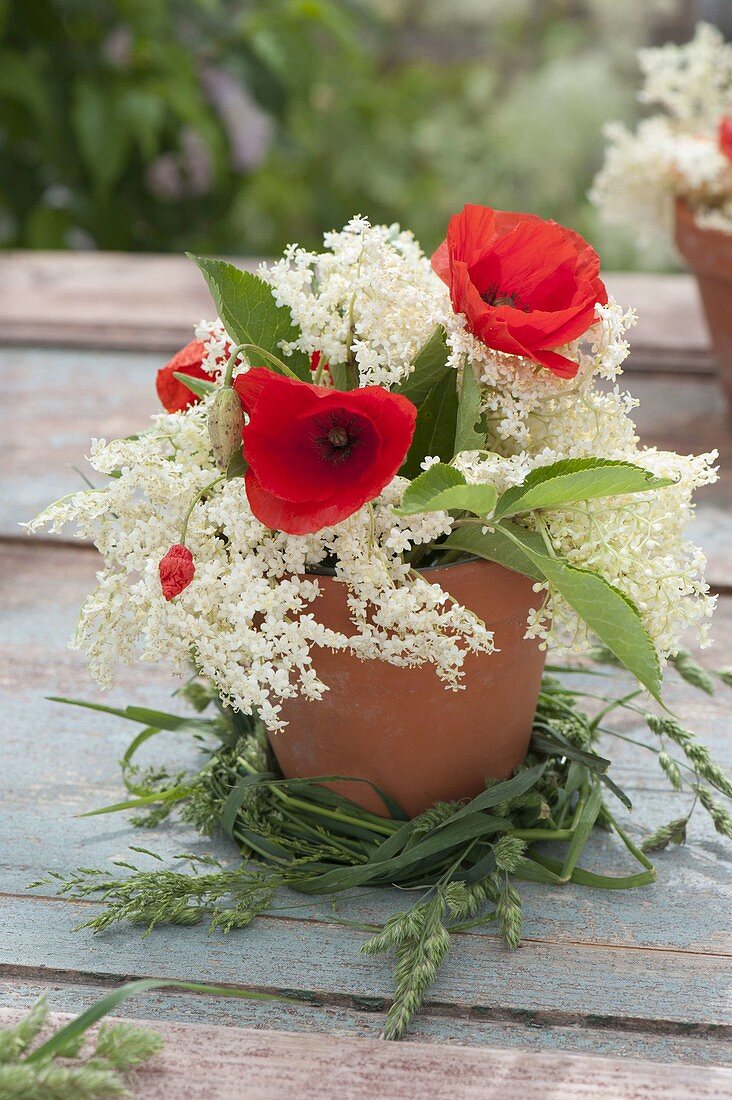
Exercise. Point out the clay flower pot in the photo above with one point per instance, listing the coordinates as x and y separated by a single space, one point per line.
399 727
708 253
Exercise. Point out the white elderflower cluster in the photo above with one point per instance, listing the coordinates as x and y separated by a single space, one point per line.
249 619
215 339
638 542
693 82
517 391
675 153
371 295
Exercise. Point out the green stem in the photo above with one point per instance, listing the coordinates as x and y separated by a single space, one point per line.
273 359
199 495
333 815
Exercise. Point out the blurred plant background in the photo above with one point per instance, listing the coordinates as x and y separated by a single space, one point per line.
236 126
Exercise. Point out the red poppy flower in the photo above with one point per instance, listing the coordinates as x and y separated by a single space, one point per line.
176 570
725 136
525 285
316 455
174 396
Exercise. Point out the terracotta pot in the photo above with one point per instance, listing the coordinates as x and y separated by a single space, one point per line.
708 253
400 727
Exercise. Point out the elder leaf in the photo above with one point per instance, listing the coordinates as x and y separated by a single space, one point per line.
442 488
576 479
429 368
471 429
250 314
199 386
434 432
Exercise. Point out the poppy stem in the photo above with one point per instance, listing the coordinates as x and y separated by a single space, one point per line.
199 495
273 360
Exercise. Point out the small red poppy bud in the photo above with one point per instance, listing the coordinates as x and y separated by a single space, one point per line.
225 423
176 570
725 136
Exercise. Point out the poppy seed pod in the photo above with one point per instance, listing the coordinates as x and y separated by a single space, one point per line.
225 423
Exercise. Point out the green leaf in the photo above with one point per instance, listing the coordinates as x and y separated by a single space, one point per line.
471 430
581 833
199 386
429 368
157 718
442 488
576 479
608 612
343 378
434 433
497 546
237 465
250 314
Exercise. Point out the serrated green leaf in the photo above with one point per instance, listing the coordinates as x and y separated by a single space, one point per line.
199 386
429 368
608 612
496 546
442 488
434 432
250 314
576 479
471 430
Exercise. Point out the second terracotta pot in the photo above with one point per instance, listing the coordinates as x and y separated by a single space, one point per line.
708 253
401 728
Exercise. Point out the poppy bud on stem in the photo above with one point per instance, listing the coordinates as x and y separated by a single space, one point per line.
225 418
225 423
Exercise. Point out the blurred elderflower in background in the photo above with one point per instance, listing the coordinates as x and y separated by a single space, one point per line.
240 125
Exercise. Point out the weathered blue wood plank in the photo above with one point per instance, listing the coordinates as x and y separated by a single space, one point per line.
337 1020
563 983
38 839
587 955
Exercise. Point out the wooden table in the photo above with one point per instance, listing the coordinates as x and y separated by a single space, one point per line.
618 996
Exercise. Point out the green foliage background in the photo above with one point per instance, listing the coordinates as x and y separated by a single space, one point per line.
239 125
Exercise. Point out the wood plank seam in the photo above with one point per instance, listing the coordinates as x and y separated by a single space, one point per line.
432 1006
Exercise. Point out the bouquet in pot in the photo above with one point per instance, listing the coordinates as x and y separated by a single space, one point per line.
425 471
373 412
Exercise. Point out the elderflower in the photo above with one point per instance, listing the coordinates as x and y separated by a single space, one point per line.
674 153
249 618
371 295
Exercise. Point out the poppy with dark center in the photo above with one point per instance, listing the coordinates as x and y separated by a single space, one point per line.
315 454
525 285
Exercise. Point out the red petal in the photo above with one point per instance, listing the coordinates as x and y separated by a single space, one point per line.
725 137
250 384
303 517
551 272
295 484
174 396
